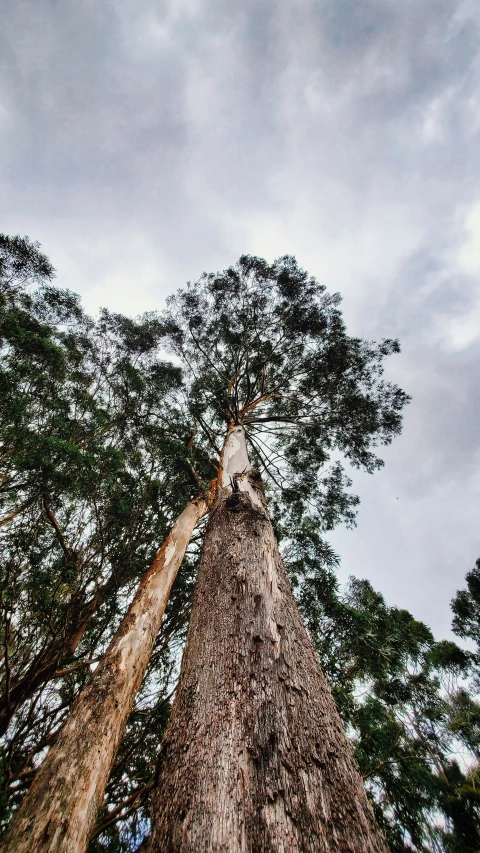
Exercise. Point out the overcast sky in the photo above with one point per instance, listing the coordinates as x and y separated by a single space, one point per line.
144 142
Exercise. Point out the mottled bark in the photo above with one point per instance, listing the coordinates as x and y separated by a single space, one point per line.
59 810
255 757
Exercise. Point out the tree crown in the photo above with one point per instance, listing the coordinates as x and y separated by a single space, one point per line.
265 346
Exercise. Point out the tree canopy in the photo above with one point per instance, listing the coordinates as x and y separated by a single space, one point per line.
93 466
265 345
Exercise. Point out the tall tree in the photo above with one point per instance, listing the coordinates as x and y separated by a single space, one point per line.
396 689
94 466
329 493
87 438
409 709
255 756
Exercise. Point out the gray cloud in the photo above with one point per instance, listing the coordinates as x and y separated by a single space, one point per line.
142 143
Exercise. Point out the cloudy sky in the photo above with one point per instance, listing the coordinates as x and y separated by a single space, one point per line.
143 142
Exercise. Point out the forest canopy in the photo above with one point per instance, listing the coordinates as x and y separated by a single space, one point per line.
104 439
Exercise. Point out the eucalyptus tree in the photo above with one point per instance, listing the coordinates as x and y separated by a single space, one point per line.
392 683
255 756
95 468
85 452
410 708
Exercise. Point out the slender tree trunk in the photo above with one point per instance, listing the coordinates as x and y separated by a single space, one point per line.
59 811
255 757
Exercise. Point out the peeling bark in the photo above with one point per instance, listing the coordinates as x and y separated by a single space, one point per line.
255 758
59 811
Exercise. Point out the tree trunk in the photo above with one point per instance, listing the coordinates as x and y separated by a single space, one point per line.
255 757
59 811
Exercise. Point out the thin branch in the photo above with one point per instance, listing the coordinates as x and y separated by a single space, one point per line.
11 515
53 521
60 673
115 815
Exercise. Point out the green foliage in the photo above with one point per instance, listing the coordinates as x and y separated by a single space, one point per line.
93 466
266 346
408 706
21 262
466 610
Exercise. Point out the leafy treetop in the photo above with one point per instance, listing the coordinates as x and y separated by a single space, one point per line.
265 345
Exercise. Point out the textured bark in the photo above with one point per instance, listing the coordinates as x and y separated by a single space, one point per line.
59 810
255 757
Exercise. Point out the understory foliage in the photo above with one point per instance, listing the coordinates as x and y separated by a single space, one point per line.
102 442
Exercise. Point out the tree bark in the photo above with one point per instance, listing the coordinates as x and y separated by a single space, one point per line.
255 757
59 811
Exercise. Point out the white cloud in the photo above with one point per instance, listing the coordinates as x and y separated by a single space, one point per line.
469 254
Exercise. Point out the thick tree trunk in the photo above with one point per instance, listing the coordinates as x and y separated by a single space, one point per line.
59 810
255 757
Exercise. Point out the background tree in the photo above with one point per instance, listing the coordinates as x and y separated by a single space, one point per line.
466 611
409 709
94 466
